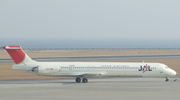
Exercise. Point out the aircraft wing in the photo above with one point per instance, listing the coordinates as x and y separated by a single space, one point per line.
87 74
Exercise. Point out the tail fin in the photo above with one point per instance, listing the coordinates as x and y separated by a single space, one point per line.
17 54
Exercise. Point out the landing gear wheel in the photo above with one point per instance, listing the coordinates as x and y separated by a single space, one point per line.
167 80
78 80
85 80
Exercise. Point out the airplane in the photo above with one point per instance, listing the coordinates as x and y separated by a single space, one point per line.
81 71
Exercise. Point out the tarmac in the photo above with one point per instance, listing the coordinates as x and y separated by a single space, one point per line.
96 89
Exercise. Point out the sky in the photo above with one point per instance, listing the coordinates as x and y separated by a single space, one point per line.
90 23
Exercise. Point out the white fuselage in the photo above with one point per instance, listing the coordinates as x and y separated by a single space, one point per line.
93 69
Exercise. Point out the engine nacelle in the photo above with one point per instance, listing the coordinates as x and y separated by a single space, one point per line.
45 70
35 69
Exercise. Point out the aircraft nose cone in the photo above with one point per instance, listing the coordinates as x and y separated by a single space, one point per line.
174 73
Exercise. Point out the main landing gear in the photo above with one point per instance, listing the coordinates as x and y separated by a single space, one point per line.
79 79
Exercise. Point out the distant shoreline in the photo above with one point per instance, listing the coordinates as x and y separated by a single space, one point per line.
92 58
102 48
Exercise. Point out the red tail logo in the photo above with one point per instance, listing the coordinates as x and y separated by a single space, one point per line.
16 53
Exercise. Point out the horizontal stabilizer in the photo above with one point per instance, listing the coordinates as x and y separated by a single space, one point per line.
12 47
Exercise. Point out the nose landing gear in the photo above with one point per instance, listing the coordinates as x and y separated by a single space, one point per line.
167 80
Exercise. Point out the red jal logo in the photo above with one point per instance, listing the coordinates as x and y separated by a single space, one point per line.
145 68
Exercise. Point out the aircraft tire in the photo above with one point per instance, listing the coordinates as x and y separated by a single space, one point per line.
78 80
85 80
